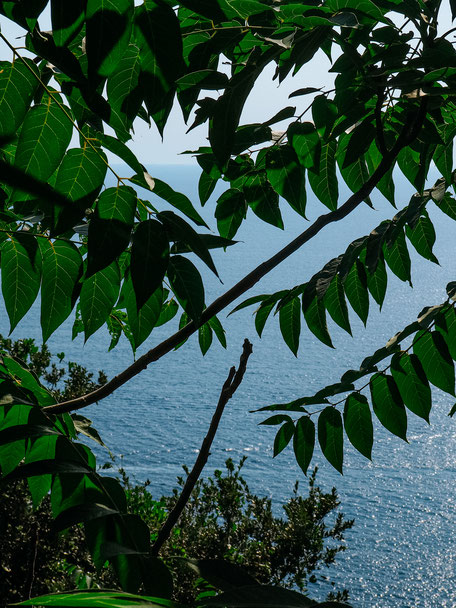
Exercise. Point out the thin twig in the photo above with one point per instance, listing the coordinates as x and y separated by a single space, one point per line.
231 384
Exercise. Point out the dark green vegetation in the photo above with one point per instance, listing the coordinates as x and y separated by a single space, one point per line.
119 259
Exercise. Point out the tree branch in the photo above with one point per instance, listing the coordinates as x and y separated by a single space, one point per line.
407 135
231 384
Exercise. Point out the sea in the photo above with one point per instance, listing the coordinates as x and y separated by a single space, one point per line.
401 551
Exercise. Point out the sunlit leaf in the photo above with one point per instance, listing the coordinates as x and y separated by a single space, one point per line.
62 269
21 275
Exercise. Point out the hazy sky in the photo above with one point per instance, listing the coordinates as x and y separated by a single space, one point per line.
266 99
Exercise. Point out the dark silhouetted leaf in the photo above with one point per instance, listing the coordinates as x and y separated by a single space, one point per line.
149 259
324 180
187 285
304 442
290 324
356 289
334 301
388 405
330 436
434 356
110 227
108 27
358 423
283 437
230 211
287 177
412 383
315 316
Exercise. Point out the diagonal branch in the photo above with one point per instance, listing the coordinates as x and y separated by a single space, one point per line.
408 134
231 384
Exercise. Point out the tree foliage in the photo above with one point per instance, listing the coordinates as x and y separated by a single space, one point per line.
120 259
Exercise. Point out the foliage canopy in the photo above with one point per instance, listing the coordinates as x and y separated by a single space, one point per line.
123 260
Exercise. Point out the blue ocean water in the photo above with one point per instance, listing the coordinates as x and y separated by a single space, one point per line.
402 549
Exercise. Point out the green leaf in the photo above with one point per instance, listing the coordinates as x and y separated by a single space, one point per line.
334 301
276 420
124 92
358 424
142 320
168 312
364 6
305 141
262 315
228 107
388 405
179 230
356 174
205 338
99 597
287 177
177 200
108 28
254 596
324 182
206 186
290 324
448 205
283 437
124 153
230 211
304 442
158 35
62 270
422 237
262 199
412 383
43 140
315 316
434 356
80 177
67 20
330 436
110 227
446 325
216 326
355 286
18 83
398 259
20 275
99 293
149 259
377 282
187 285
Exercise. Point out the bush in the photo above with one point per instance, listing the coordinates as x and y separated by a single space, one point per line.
224 519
